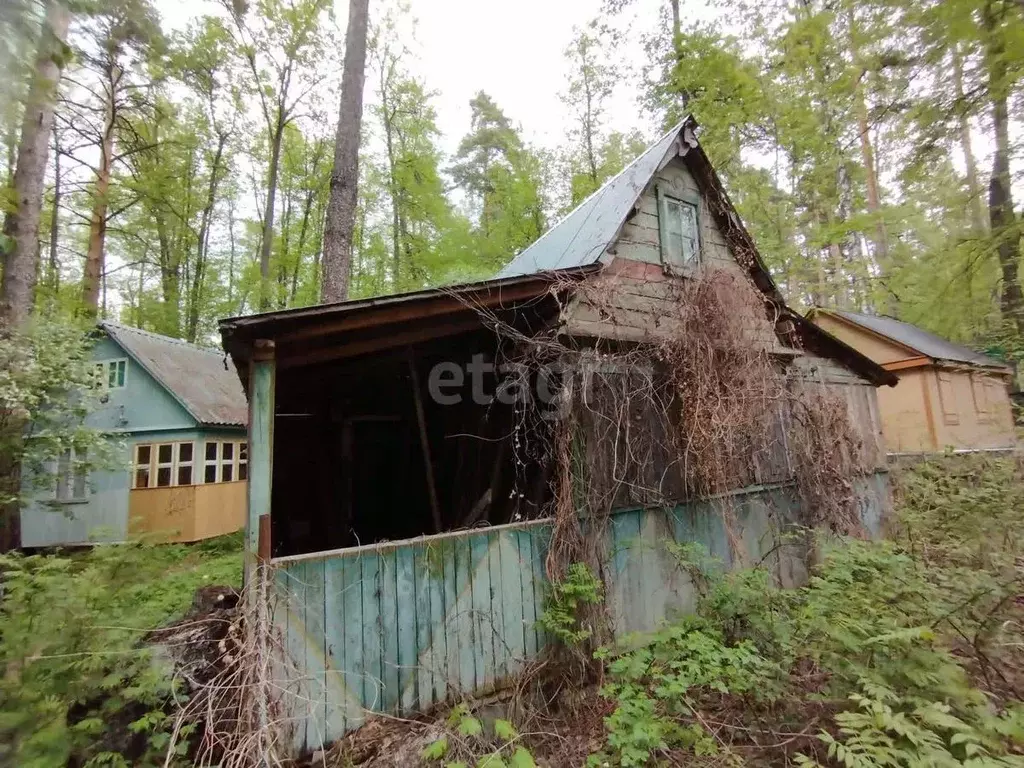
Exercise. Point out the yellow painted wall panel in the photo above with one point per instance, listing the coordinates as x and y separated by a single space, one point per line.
220 509
879 350
162 514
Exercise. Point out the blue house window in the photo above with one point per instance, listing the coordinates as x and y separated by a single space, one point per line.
111 374
72 478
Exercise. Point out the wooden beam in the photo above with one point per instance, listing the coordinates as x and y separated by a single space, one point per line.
377 344
261 450
440 305
910 362
424 441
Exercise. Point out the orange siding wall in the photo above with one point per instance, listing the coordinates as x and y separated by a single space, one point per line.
186 513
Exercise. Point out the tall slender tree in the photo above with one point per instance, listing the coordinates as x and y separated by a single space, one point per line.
21 225
341 205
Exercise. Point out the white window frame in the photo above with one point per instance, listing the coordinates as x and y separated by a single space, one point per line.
75 484
110 364
672 213
236 462
155 465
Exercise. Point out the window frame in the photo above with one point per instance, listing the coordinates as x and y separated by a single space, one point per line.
109 364
235 463
65 476
666 203
154 465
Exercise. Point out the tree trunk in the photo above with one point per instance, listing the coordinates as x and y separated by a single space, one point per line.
94 256
977 203
341 205
21 226
267 244
203 242
1000 193
54 265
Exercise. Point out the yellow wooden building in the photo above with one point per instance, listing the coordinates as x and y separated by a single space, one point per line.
948 396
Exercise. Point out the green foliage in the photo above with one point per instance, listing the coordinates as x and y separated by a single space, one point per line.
565 602
466 742
76 683
878 622
46 391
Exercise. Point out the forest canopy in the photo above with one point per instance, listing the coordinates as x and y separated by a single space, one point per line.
871 146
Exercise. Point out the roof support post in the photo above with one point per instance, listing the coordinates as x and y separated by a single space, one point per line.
421 420
261 454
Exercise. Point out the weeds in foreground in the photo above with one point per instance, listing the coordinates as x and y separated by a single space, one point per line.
899 653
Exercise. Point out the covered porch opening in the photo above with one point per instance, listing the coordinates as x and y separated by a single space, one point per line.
390 419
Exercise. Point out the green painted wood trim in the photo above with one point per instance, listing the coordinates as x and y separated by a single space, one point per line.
261 448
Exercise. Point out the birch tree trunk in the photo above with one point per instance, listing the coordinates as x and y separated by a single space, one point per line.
341 205
21 226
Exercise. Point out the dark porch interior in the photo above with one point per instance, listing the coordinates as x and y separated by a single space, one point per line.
356 460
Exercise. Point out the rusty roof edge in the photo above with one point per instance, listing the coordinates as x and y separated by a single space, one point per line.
229 325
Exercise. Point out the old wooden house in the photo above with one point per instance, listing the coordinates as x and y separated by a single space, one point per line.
389 485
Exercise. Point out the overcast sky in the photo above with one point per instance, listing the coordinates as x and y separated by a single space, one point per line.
513 50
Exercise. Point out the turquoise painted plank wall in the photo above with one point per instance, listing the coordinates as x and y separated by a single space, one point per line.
401 626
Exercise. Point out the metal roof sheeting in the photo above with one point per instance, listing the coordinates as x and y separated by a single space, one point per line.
582 237
924 342
203 380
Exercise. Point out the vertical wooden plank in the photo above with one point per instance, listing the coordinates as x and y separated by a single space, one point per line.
510 604
483 647
461 613
405 599
540 582
524 540
261 447
354 669
498 606
313 604
453 673
389 629
373 676
442 585
426 663
334 635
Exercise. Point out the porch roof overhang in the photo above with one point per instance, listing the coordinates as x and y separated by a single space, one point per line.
329 332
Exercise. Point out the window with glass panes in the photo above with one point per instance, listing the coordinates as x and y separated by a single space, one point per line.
72 478
225 461
111 374
678 232
163 465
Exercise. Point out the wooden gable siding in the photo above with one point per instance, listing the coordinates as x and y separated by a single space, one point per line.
872 345
141 405
637 296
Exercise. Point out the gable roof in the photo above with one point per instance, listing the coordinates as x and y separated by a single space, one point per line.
923 342
202 380
582 236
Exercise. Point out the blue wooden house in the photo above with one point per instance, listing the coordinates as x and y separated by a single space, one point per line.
178 413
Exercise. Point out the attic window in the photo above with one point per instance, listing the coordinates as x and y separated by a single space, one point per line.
678 232
111 374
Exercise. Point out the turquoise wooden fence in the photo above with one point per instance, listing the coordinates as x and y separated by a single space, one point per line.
401 626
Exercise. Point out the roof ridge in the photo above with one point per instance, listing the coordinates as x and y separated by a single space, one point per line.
161 337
